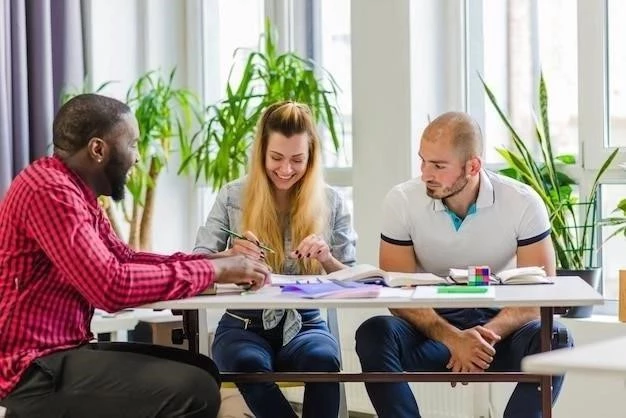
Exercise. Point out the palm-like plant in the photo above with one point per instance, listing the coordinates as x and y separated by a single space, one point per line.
616 219
573 221
219 152
165 115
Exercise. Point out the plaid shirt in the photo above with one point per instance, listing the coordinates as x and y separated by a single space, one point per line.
59 259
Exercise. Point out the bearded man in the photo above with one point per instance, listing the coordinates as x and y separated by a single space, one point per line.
457 215
59 259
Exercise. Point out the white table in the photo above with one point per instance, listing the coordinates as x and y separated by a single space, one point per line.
565 292
604 358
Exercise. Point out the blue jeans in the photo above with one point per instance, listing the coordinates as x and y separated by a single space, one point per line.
391 344
257 350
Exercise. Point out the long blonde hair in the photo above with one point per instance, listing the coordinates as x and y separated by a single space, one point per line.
309 210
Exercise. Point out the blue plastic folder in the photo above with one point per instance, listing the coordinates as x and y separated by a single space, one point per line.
332 289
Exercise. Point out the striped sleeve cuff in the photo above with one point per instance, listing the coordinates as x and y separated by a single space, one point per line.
532 240
396 241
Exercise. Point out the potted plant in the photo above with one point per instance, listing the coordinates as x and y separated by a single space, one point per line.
573 219
219 152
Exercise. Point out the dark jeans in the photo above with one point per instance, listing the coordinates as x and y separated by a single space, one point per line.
115 380
389 343
257 350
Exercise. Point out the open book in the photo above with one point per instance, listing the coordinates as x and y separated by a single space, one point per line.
520 275
365 273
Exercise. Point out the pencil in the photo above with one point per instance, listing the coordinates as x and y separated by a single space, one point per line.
242 237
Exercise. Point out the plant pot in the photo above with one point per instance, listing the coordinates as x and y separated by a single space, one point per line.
591 276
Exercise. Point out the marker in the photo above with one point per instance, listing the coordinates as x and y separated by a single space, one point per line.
244 238
462 289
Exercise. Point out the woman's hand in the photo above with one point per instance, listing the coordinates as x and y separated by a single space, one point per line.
248 247
313 247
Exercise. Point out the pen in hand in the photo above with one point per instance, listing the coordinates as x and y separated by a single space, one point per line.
235 234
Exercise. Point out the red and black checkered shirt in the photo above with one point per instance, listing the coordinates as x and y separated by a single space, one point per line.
59 259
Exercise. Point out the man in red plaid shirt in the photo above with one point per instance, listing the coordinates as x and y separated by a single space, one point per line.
59 259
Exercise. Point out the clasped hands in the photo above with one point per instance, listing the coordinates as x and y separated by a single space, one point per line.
471 350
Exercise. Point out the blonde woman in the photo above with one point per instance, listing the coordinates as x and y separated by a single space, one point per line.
284 204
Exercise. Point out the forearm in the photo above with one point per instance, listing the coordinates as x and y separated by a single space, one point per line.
508 320
132 285
332 264
430 323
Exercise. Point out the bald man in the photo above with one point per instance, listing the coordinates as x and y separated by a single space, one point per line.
457 215
59 259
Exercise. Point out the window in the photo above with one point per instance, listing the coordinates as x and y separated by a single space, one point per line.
568 41
617 68
335 57
614 249
227 25
519 41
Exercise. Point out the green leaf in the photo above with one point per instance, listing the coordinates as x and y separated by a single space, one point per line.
566 159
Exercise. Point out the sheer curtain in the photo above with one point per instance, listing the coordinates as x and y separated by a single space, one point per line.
41 53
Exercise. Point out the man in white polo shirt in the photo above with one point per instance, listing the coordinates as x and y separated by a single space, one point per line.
457 215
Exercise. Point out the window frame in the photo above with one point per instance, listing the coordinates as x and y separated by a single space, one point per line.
593 106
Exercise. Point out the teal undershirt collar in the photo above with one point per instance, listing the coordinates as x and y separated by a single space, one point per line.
456 220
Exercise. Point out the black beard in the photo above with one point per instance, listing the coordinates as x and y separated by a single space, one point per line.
116 175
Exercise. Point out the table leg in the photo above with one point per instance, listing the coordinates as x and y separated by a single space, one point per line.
191 327
546 345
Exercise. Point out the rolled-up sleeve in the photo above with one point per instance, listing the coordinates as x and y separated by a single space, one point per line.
61 224
210 238
342 235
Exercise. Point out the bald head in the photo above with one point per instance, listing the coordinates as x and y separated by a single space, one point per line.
457 129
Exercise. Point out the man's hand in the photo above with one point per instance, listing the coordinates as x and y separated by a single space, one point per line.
248 247
471 350
241 270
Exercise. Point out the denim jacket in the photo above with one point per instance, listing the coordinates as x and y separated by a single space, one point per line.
226 212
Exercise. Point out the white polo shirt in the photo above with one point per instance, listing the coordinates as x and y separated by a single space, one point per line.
507 215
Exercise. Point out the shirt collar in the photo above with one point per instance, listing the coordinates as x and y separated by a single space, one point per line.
486 196
90 196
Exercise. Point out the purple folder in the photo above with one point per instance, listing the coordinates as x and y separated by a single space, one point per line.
333 289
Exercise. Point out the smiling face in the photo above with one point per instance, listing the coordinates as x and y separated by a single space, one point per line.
286 159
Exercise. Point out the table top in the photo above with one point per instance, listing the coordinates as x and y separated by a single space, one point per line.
600 358
566 291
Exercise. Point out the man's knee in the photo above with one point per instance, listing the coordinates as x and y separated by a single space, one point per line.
561 337
196 390
372 335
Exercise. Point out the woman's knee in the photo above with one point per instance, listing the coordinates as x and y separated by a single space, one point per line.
321 358
244 361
